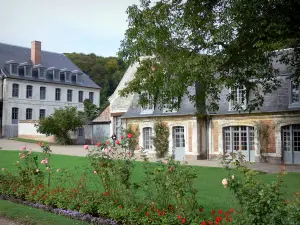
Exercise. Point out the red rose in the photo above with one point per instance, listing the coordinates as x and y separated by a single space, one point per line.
213 212
183 220
147 214
129 135
218 219
203 223
98 144
163 213
231 210
118 142
107 143
105 194
201 210
121 207
41 144
122 137
220 211
179 217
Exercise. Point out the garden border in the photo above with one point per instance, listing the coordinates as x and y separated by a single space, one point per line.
62 212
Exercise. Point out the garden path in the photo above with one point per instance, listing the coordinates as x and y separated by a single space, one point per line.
4 221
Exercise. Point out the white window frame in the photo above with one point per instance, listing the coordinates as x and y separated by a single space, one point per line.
25 71
41 92
148 142
18 90
238 101
42 75
149 108
53 72
11 66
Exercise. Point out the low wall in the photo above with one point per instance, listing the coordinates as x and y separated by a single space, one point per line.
26 129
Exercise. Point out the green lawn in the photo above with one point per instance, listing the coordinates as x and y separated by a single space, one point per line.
211 193
28 215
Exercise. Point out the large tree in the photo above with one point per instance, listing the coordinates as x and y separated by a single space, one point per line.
214 43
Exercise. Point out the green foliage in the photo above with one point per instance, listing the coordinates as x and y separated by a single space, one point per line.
161 139
90 111
60 123
215 44
104 71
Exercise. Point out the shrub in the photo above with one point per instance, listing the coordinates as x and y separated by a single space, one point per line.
60 123
161 139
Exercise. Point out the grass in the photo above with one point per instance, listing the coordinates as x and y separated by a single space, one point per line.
32 216
211 193
29 140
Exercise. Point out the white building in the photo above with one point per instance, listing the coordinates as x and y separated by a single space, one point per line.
34 82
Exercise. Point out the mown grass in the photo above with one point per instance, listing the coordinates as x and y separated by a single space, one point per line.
27 215
211 193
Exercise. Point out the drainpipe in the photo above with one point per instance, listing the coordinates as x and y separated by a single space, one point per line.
207 125
1 104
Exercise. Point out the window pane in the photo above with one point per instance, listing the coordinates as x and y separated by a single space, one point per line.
15 90
14 69
57 94
42 113
28 114
80 96
147 134
29 91
69 95
42 93
28 70
91 97
286 138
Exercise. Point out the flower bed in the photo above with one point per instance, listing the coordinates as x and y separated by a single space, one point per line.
169 193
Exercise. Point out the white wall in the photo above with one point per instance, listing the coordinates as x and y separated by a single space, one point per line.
49 104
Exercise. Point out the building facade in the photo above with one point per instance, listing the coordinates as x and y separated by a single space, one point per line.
35 82
270 134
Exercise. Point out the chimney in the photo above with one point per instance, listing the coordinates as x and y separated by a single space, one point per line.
36 47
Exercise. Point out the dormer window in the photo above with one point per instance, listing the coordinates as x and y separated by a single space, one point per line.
238 98
14 69
28 71
149 107
79 78
68 76
56 75
74 77
42 72
62 76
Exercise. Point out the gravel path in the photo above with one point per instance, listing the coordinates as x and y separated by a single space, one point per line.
4 221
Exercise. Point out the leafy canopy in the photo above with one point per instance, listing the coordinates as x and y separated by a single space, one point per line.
90 111
60 123
214 43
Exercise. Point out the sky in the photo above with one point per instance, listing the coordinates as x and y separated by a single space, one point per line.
86 26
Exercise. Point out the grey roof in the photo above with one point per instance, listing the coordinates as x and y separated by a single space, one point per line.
186 108
48 59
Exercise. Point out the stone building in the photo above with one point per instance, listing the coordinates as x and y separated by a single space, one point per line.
270 134
33 83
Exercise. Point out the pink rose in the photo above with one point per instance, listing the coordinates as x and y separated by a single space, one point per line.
93 143
166 162
22 156
3 169
225 182
95 172
86 147
23 148
106 151
44 161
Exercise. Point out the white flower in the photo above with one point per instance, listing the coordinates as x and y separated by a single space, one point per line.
3 169
95 172
37 170
232 177
225 182
57 170
47 168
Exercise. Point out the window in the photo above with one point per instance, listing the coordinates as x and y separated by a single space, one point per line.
57 94
147 138
69 95
295 96
14 115
15 90
168 107
80 96
56 75
91 97
117 126
28 91
27 70
28 114
238 98
42 113
14 69
178 137
42 72
68 76
42 93
238 138
147 108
